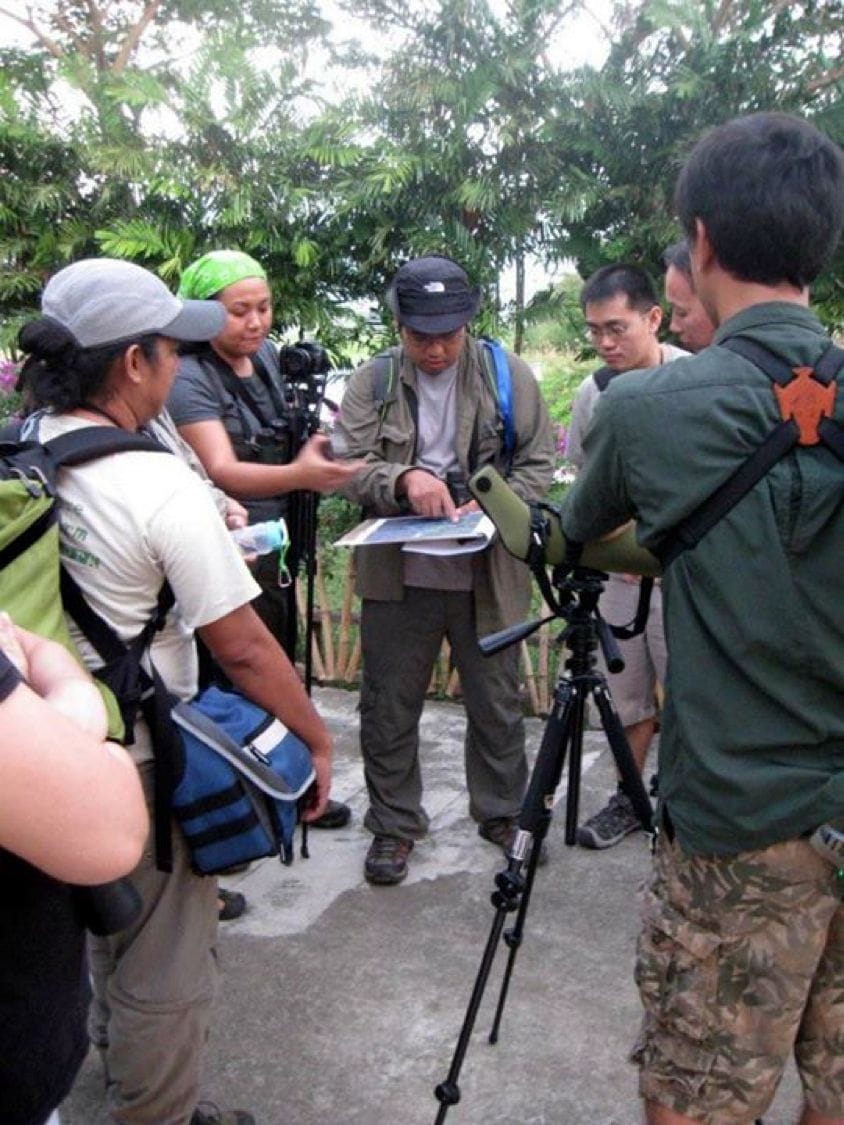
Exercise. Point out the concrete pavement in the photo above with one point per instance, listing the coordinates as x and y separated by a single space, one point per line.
341 1003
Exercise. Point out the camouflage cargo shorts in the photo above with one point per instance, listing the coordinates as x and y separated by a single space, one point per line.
739 964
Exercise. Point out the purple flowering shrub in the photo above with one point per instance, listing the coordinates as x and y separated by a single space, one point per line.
9 397
560 378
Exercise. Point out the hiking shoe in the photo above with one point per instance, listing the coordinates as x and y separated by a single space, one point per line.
230 904
501 830
206 1113
336 815
386 860
609 826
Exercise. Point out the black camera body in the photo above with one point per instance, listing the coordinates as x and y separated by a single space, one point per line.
303 360
304 367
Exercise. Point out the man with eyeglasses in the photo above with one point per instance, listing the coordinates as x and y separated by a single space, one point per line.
623 317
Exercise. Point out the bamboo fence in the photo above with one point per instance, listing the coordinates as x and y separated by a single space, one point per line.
336 654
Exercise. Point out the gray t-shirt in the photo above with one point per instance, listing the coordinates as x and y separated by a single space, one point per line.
199 394
436 445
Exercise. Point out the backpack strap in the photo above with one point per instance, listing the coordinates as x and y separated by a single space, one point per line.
806 397
603 376
132 686
385 379
92 442
136 690
494 360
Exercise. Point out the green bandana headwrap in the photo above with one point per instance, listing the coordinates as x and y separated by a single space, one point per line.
212 272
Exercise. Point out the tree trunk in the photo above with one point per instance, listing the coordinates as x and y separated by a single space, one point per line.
519 333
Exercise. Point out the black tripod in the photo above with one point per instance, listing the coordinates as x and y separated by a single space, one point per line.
305 367
577 604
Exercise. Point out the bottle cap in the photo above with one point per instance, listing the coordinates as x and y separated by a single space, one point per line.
276 533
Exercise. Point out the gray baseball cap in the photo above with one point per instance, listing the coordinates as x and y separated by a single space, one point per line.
106 300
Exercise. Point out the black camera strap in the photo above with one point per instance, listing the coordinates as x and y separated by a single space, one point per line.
241 393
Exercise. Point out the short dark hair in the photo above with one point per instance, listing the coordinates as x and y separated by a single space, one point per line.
678 256
635 283
769 189
60 375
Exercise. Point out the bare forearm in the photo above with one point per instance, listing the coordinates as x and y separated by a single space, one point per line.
258 666
249 480
69 803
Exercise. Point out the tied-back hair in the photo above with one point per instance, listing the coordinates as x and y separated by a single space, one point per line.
58 374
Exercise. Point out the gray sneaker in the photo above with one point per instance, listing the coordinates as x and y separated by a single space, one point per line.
609 826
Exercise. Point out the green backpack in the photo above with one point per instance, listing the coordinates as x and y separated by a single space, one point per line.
31 575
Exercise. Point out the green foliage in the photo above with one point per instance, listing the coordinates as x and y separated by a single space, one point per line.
554 320
9 397
678 67
468 139
561 375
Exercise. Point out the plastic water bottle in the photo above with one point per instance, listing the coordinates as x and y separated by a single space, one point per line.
261 538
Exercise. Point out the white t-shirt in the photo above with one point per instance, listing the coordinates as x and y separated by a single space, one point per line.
127 522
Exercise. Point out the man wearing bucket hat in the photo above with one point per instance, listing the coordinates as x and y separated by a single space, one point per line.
105 353
440 417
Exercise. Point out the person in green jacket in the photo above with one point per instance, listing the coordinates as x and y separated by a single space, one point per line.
741 957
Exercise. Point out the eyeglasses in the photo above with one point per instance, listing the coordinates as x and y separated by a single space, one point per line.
615 329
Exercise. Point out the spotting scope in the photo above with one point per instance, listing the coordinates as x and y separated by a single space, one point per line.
618 552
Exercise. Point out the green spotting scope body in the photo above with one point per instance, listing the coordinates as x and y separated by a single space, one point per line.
619 553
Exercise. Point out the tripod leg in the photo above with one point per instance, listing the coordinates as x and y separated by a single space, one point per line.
630 776
548 768
512 892
536 817
448 1091
578 714
513 937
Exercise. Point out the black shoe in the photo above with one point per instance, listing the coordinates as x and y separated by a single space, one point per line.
336 815
386 860
501 830
233 904
210 1115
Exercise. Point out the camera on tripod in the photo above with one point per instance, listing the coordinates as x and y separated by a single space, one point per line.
304 367
303 360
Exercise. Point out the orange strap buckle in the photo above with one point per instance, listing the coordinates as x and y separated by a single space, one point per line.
806 401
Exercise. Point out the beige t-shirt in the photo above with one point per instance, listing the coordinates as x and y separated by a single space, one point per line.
586 400
127 522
